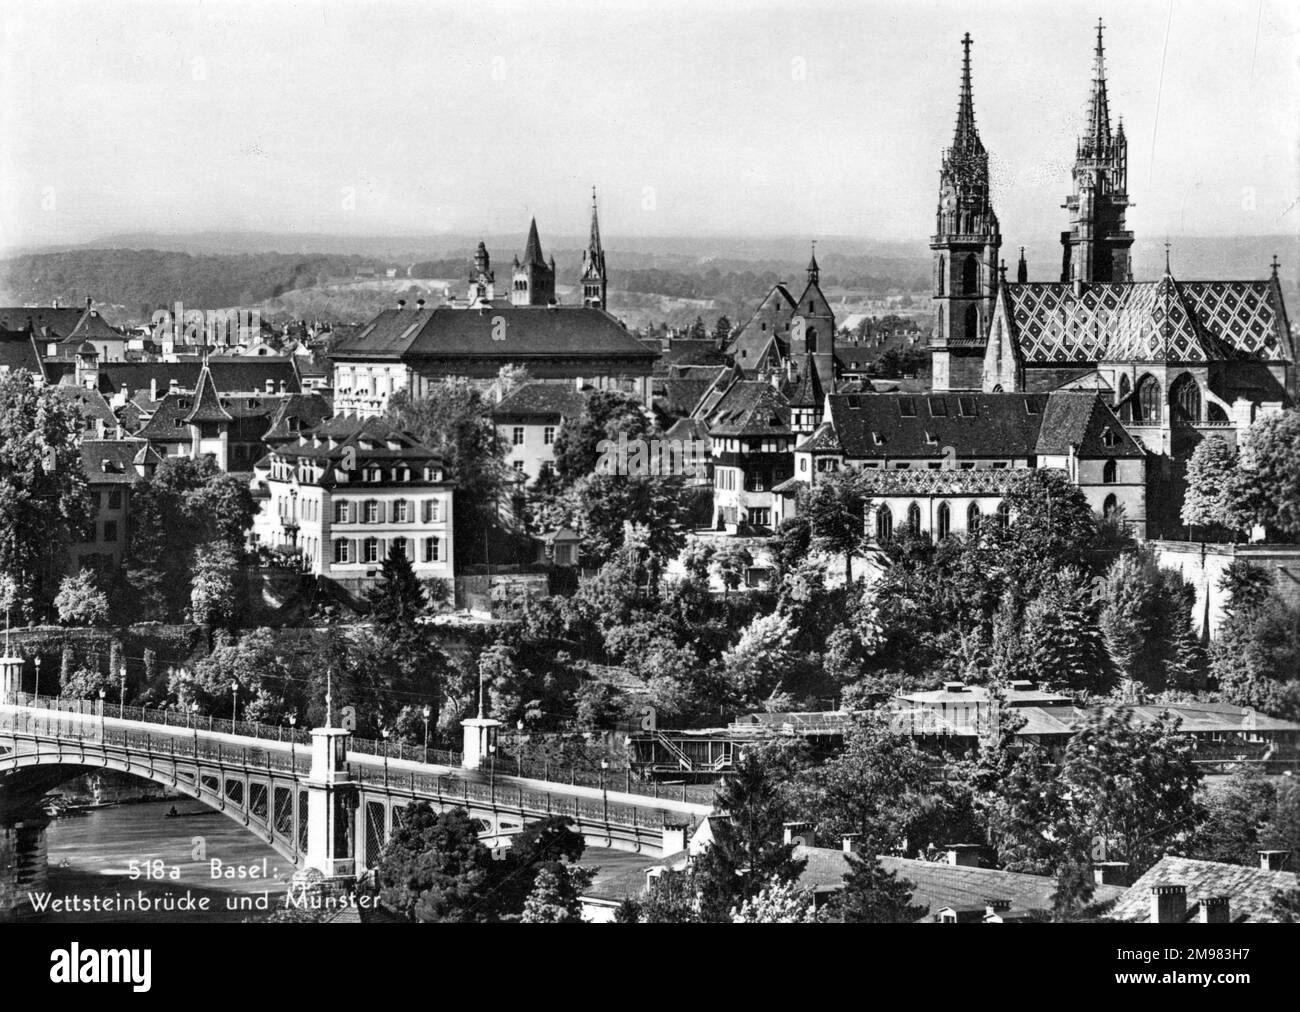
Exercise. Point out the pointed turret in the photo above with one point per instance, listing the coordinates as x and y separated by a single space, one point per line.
533 251
1022 268
595 284
1097 137
533 282
814 272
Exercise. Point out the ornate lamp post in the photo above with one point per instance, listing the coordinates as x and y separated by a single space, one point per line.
194 720
121 694
385 732
234 703
102 694
492 775
293 744
426 712
519 756
604 794
37 693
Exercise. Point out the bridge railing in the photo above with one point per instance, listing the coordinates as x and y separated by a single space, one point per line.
59 723
614 780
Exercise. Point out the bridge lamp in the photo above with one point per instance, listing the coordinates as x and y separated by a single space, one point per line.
37 693
102 694
234 701
384 733
427 711
604 793
293 744
121 698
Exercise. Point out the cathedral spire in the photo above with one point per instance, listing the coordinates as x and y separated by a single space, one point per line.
593 244
966 137
1097 136
814 272
595 283
533 251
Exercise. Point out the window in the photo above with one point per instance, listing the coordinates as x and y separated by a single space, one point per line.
401 512
370 550
1109 471
1147 401
970 275
433 549
399 546
517 436
1125 406
914 518
115 500
941 285
803 465
342 551
884 525
432 511
372 511
110 531
342 512
1109 507
518 465
944 519
1185 399
1004 515
760 517
973 518
1108 437
548 435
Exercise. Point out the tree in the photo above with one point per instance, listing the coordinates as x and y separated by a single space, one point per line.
1256 657
605 415
398 599
722 331
648 515
434 868
1270 460
760 660
1213 487
731 559
778 902
1066 648
748 848
1146 621
836 509
554 897
80 601
455 418
872 895
214 587
1237 816
43 497
1051 526
671 899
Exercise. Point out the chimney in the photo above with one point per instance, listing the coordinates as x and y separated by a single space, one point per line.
153 388
851 842
173 386
1273 860
270 385
401 304
1168 904
1110 873
800 833
963 855
954 686
419 303
89 302
1212 910
996 906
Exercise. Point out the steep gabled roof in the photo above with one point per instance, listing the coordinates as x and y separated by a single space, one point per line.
750 408
207 404
1165 320
111 461
561 400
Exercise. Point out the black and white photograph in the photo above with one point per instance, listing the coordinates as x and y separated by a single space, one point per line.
595 462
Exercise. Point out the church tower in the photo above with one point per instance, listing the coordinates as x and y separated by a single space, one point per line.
812 329
1096 247
534 279
595 283
966 244
482 280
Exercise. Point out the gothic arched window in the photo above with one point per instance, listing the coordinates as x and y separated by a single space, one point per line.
884 525
1109 472
914 518
973 518
1125 408
972 322
970 275
944 520
941 282
1004 515
1185 399
810 339
1146 402
1109 507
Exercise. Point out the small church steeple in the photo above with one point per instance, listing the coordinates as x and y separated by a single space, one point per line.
814 272
533 279
595 282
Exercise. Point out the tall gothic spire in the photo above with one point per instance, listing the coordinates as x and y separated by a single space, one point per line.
966 137
593 245
533 251
595 282
1097 138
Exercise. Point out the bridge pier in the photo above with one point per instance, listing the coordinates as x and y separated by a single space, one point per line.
11 678
23 861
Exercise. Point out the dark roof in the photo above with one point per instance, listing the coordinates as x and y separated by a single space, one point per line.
684 351
110 461
529 332
750 408
975 425
297 413
59 324
374 439
91 404
533 250
937 885
18 352
1250 891
750 336
679 396
207 403
807 390
560 399
230 375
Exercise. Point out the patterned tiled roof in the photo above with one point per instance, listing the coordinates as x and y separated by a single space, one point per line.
945 482
1165 320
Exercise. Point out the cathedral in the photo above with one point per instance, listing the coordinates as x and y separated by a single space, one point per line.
1178 360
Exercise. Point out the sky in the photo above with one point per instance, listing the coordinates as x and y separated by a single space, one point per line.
375 117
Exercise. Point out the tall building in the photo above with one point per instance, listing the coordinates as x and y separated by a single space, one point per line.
812 330
482 279
534 278
965 244
1096 247
595 282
